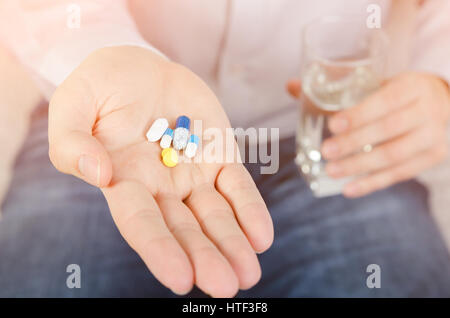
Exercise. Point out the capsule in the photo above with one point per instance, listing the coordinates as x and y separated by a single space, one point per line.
157 129
191 147
166 139
181 133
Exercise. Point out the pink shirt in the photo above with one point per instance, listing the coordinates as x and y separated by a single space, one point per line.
245 50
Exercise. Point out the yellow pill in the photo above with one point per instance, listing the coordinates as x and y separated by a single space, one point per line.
170 157
164 151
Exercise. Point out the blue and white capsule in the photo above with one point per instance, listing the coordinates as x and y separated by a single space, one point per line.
191 147
181 133
166 139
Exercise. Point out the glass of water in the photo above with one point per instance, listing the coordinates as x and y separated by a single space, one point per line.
343 61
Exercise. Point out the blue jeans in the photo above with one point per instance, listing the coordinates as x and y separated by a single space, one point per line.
322 246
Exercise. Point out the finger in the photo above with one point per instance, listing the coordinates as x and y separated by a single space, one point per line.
294 87
394 95
140 222
400 172
220 225
213 274
237 186
72 148
394 125
387 154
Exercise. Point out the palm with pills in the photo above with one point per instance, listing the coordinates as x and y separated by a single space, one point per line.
195 223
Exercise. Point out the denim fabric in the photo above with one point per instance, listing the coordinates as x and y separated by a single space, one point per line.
322 246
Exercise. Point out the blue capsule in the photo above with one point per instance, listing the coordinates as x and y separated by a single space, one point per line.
166 139
183 121
194 139
191 147
181 132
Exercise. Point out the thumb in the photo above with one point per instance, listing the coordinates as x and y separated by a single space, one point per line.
72 147
82 155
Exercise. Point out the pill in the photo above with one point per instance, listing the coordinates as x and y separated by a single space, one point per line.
191 147
181 133
166 139
170 157
164 151
157 129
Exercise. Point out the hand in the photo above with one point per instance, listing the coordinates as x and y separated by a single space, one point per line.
405 122
195 223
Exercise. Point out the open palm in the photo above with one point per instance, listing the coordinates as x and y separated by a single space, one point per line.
197 223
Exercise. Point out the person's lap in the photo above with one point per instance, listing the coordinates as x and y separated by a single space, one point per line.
322 247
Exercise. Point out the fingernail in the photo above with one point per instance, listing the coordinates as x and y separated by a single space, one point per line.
180 292
330 149
90 168
334 169
338 124
352 189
